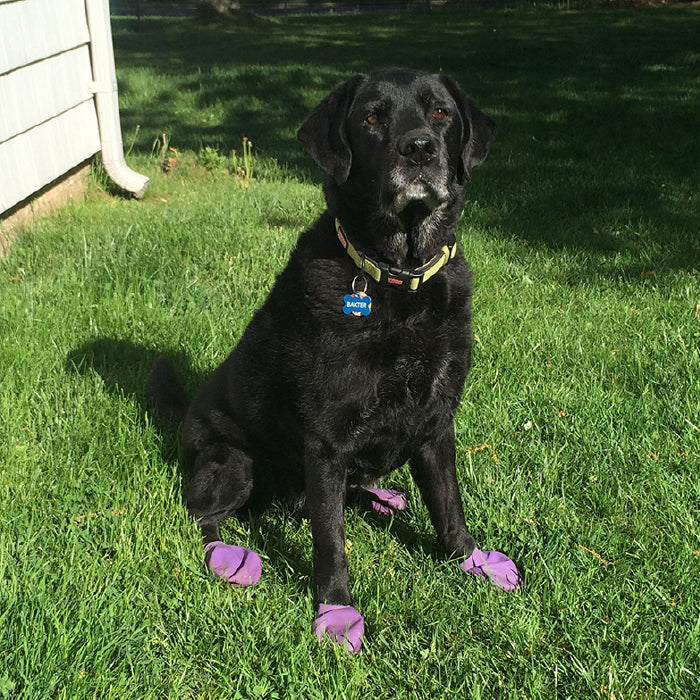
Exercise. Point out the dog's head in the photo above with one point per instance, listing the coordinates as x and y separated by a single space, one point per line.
398 144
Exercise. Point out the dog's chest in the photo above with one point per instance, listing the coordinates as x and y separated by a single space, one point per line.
411 368
411 377
408 395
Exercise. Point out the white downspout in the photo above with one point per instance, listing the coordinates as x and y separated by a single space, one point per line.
105 88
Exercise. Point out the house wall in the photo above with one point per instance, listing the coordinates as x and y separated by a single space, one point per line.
48 123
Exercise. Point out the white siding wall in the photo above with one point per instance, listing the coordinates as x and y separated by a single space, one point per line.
48 123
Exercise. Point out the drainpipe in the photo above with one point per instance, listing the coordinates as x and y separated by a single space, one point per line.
105 89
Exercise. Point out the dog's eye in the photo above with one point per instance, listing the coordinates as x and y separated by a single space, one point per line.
439 114
372 119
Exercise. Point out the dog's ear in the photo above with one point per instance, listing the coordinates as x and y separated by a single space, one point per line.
323 134
479 129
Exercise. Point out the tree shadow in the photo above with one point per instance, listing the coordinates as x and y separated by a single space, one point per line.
595 111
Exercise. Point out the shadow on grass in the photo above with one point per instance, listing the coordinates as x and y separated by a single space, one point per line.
124 367
595 110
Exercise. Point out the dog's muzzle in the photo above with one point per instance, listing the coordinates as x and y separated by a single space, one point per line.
419 177
418 192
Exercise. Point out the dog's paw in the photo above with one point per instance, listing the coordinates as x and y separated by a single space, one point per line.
342 623
238 565
385 501
495 567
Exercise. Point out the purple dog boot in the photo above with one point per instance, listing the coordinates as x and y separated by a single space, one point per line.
385 501
494 567
342 623
238 565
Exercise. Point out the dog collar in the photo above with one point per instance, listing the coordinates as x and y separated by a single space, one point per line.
395 276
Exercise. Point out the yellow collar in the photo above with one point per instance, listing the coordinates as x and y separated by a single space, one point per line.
394 276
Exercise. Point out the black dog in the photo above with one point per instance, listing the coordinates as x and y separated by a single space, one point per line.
356 362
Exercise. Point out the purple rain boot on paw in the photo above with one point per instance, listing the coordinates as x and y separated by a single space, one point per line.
238 565
494 567
385 501
342 623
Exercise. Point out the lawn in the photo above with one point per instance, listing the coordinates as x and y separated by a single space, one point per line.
578 435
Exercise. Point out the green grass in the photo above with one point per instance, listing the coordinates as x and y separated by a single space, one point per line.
582 228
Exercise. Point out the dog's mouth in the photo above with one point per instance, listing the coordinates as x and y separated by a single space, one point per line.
413 215
415 202
418 196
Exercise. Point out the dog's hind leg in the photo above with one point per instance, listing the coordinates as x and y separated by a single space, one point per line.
221 484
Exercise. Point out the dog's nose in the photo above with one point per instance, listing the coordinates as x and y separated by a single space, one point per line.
418 148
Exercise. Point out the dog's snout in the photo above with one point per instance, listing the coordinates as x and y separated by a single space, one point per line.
419 148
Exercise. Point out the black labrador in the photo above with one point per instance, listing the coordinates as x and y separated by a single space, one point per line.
356 362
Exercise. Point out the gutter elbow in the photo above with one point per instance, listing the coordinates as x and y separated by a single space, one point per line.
104 88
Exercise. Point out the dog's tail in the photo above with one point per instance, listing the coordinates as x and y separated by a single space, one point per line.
165 392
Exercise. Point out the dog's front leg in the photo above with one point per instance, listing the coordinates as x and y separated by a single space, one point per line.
326 486
433 468
325 500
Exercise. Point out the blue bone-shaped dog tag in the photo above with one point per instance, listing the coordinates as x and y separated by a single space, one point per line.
357 304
